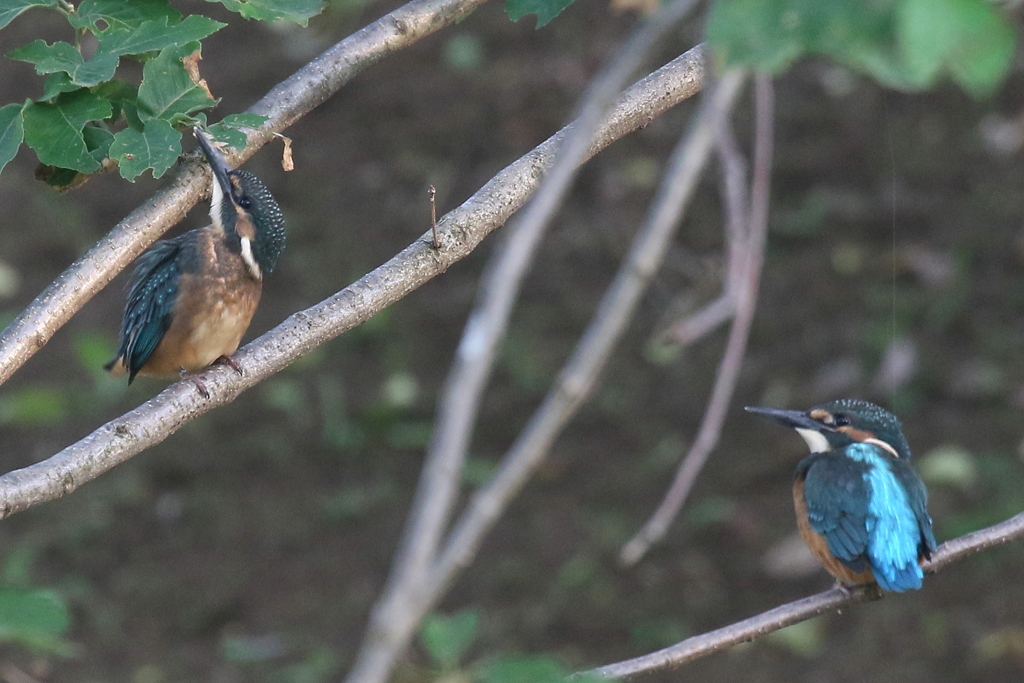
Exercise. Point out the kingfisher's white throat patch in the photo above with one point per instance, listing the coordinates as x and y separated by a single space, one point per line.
250 259
816 441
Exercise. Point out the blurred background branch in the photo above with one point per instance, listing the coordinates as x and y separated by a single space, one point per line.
742 282
404 600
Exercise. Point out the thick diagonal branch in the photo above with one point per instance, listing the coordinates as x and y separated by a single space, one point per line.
461 231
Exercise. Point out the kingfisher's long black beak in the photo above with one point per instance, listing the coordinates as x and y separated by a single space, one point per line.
218 164
797 419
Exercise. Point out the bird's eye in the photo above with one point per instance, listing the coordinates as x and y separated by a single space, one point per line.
841 420
244 202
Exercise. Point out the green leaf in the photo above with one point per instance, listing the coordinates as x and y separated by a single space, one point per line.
298 11
98 69
546 10
447 639
121 14
168 91
232 137
156 147
62 57
244 120
55 84
12 132
54 130
156 34
970 38
34 617
227 130
10 9
123 98
97 141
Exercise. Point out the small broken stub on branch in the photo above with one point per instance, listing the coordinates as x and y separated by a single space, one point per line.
433 217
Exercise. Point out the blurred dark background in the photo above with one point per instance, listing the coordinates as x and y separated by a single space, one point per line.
251 544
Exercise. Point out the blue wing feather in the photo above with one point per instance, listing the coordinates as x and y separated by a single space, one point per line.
897 538
151 298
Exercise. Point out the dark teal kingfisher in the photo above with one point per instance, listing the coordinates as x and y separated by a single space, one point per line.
192 297
860 506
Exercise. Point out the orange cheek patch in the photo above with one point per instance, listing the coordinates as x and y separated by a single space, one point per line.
864 436
244 226
856 434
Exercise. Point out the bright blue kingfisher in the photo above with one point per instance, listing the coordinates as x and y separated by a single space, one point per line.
192 297
860 506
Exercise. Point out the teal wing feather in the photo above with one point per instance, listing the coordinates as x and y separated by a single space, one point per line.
837 505
151 298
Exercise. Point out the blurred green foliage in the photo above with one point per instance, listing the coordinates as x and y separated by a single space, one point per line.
33 406
447 638
264 655
464 52
906 44
356 501
805 638
516 668
35 618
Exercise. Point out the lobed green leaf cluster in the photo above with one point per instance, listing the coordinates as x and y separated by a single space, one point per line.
88 119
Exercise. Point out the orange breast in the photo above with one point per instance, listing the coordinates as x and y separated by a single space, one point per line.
212 312
819 546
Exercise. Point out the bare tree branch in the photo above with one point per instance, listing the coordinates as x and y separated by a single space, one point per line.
460 231
693 326
801 610
578 377
474 361
288 101
736 345
574 382
701 323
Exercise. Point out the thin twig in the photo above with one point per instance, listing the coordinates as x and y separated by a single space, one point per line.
576 380
736 345
393 618
801 610
734 203
291 99
432 191
461 231
697 325
700 323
